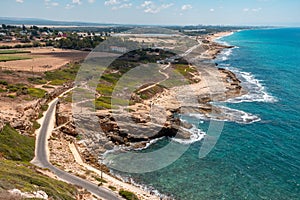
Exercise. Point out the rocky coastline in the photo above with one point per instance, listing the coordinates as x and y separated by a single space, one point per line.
139 124
135 126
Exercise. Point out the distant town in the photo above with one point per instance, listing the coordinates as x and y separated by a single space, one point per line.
78 38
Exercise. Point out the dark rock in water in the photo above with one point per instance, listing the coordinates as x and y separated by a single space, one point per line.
182 134
186 125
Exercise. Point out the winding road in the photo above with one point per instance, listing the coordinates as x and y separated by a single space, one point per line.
41 157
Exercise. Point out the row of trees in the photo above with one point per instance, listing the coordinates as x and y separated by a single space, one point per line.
76 43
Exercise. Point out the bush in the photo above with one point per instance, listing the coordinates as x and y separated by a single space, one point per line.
11 96
3 82
37 80
36 92
99 179
128 195
113 188
36 125
44 107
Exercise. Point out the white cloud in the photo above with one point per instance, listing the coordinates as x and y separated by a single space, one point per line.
150 7
212 10
252 10
91 1
50 4
147 3
118 4
20 1
76 2
111 2
186 7
125 5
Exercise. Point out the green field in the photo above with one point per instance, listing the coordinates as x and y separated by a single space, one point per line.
5 57
13 51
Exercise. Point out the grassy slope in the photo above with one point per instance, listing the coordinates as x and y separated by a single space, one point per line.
16 172
14 146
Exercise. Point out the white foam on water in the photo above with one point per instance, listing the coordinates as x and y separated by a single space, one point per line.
197 135
149 144
256 91
225 54
239 116
229 115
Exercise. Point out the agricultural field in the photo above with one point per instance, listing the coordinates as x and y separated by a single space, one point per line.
38 59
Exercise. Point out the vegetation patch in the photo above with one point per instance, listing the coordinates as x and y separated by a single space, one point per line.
36 92
151 92
2 82
61 76
37 80
104 103
23 176
14 146
13 51
128 195
101 180
113 188
5 58
186 71
105 89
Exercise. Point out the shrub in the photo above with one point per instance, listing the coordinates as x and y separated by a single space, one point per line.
128 195
44 107
3 82
11 96
101 180
113 188
37 80
36 92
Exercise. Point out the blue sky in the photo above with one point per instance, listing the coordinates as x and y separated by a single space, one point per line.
166 12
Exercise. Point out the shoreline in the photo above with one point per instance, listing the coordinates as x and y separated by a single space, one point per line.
143 191
213 54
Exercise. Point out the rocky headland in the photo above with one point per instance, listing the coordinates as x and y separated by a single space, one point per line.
134 126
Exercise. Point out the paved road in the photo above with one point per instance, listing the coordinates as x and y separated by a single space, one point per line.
41 159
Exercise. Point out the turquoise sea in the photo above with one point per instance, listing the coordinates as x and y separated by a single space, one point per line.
258 160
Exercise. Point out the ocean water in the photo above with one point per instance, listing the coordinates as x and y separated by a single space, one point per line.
258 159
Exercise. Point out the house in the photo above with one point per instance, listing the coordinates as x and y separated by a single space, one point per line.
81 34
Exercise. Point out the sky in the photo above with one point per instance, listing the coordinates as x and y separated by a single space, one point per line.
159 12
